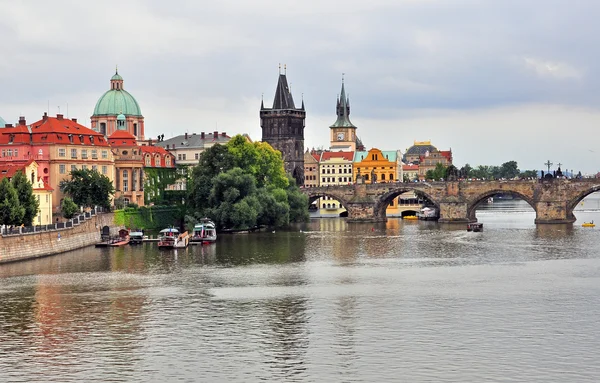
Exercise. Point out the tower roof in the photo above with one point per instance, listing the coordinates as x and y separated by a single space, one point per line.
343 111
117 100
283 96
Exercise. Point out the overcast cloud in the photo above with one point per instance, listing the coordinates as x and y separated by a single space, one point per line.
493 80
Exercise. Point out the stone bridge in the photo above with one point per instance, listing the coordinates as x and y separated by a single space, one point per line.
552 199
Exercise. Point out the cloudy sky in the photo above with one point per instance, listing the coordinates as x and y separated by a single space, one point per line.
492 80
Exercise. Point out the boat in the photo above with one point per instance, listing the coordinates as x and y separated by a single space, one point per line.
588 224
475 227
410 217
121 240
136 237
204 232
170 238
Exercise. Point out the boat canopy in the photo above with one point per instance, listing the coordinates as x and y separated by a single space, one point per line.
169 230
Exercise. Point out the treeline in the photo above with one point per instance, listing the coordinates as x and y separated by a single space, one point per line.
241 185
18 205
508 170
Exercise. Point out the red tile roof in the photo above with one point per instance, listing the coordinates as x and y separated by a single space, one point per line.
410 167
58 130
122 138
348 156
9 170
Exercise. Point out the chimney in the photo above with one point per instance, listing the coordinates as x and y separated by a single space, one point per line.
150 142
59 116
202 135
223 134
22 121
45 116
74 119
215 135
8 126
186 135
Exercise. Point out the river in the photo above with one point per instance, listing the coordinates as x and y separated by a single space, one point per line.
329 301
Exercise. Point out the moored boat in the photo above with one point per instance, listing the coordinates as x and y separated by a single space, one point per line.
121 240
204 232
170 238
588 224
136 237
410 217
475 227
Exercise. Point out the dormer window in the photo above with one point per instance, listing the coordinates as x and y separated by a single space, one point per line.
11 138
70 138
92 140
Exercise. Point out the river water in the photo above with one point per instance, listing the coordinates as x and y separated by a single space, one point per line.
327 302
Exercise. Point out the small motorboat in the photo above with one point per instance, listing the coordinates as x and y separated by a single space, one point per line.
411 217
475 227
136 237
588 224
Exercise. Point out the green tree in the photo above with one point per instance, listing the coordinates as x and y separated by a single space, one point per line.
437 173
298 203
529 174
509 170
69 208
27 200
88 188
11 211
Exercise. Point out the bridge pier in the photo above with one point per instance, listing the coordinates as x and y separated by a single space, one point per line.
553 212
363 212
453 212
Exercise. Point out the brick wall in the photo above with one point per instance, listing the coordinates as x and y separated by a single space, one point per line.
34 245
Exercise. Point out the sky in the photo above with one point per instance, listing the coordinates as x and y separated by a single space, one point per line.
492 80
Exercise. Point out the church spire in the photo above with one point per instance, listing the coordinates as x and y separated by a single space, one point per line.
343 110
283 96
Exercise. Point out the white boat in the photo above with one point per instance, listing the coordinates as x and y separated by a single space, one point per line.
204 232
171 239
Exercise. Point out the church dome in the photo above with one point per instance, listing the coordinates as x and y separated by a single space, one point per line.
117 100
420 148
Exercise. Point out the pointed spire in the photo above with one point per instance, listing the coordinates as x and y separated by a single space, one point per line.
283 96
343 109
302 102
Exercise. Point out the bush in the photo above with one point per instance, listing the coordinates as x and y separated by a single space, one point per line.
69 208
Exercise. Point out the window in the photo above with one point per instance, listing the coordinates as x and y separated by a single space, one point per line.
95 168
104 154
16 152
83 167
73 167
46 198
84 154
94 154
168 160
62 152
62 168
148 160
125 180
391 177
9 153
104 169
73 153
157 161
197 156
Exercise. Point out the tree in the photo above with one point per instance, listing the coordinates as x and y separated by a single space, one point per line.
69 208
436 174
509 170
88 188
529 174
26 198
11 211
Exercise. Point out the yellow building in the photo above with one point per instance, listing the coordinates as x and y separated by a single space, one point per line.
377 166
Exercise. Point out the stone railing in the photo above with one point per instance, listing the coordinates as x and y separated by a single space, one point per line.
75 221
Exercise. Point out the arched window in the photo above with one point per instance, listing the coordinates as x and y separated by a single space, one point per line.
148 160
157 161
383 177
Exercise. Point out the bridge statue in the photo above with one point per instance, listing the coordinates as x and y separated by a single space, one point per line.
553 199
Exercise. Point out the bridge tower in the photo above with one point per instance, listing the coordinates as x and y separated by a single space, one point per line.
343 132
283 128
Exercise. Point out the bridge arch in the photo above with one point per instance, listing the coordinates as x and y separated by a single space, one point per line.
314 195
386 198
477 200
572 203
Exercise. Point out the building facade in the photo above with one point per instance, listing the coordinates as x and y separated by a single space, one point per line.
311 168
335 169
283 128
187 149
58 145
114 102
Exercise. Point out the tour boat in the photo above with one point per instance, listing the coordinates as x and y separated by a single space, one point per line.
204 232
588 224
476 227
136 237
171 239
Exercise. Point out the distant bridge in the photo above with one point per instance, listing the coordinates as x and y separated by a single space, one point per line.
552 199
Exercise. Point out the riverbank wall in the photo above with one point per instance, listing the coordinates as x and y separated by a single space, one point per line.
40 244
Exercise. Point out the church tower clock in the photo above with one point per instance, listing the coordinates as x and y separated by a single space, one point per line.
343 132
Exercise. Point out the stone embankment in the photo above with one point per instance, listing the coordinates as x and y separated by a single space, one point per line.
40 244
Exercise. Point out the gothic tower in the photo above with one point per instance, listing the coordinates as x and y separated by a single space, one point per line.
343 132
283 128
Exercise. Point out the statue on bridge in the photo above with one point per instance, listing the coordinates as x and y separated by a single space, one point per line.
373 176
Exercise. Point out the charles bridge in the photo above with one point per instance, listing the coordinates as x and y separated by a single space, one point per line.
552 199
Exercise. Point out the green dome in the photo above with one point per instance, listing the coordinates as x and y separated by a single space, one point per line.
121 117
115 102
116 76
